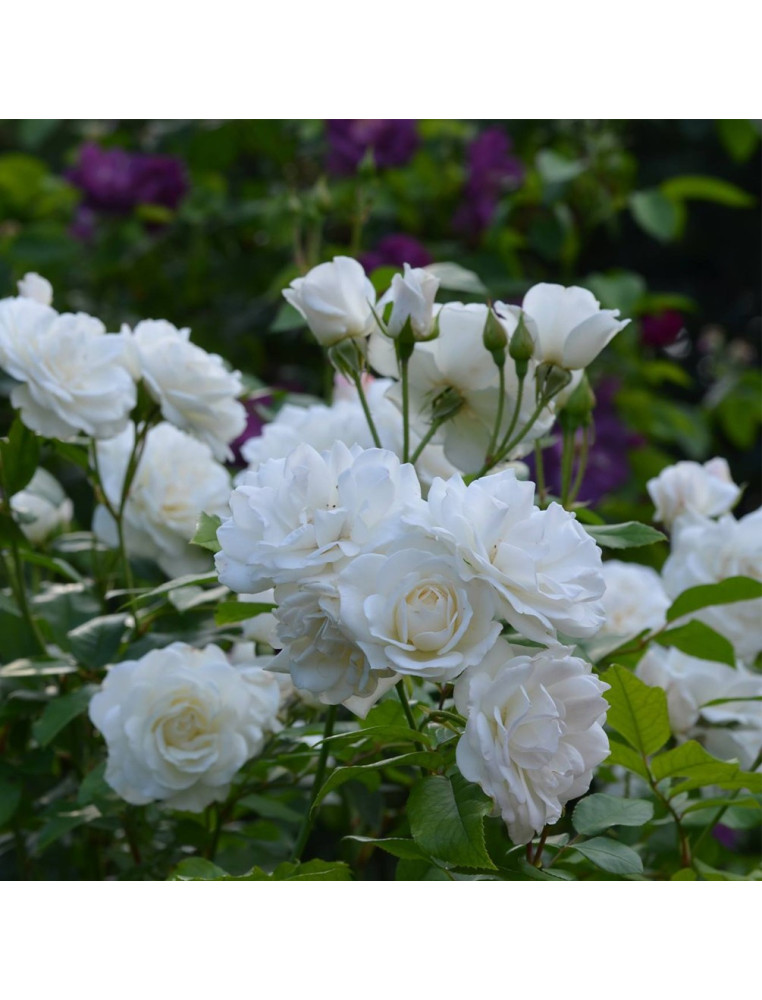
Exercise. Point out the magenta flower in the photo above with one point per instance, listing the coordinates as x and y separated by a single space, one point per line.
392 141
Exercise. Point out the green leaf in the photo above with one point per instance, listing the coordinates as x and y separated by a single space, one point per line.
38 667
54 564
610 855
10 796
200 870
700 188
96 642
447 820
638 712
456 278
189 580
418 758
658 215
734 588
740 136
691 761
287 318
628 535
19 457
596 813
64 823
699 640
229 612
557 169
197 870
628 758
59 713
399 847
206 532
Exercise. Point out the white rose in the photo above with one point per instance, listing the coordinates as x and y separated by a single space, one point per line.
320 426
74 377
177 478
634 600
458 362
268 690
543 566
688 487
34 286
408 608
412 296
568 326
195 390
42 507
534 733
335 299
297 517
260 628
732 729
317 652
179 723
707 551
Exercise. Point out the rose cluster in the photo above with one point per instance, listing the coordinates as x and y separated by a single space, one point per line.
374 583
718 704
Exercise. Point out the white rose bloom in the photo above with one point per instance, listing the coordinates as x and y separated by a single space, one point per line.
179 723
176 480
730 730
458 361
195 390
691 488
408 608
707 551
74 377
260 628
412 296
42 507
634 600
320 426
568 326
534 733
321 658
34 286
335 299
297 517
268 689
543 566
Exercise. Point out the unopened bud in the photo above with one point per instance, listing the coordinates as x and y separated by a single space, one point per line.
521 347
495 338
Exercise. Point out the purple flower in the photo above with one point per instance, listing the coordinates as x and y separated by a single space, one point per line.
255 421
115 180
392 141
394 251
661 329
607 467
492 169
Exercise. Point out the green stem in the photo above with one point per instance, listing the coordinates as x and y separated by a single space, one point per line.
539 471
306 827
723 809
404 362
499 415
357 379
18 588
436 424
402 693
581 465
567 463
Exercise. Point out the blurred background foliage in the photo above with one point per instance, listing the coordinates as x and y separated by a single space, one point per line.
204 222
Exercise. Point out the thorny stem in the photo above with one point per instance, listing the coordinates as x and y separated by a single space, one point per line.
357 379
